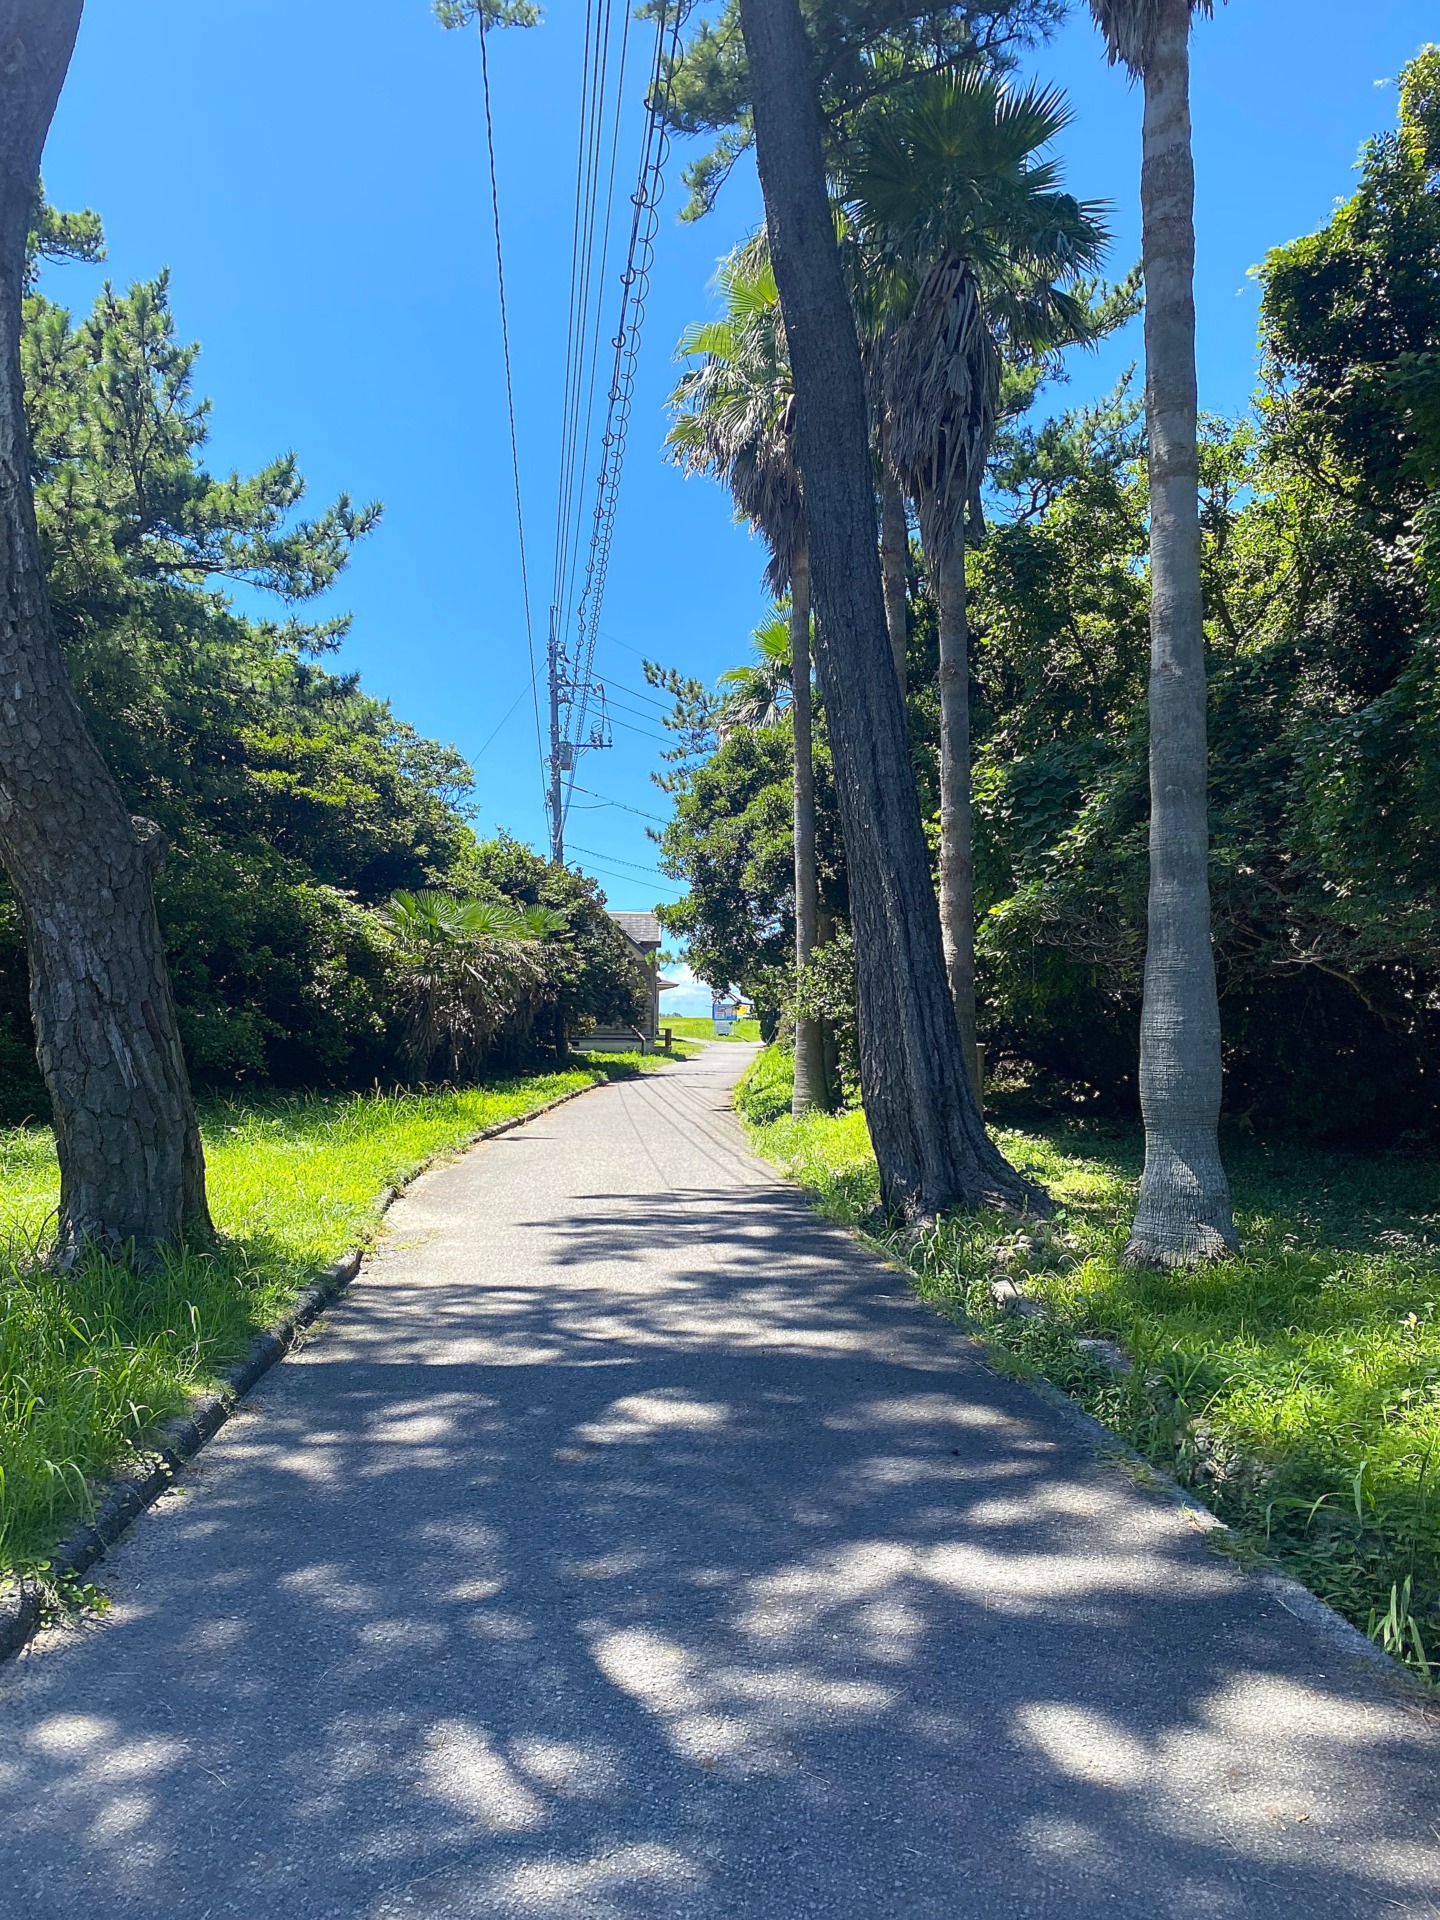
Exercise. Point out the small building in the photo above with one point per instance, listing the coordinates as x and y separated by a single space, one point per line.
643 933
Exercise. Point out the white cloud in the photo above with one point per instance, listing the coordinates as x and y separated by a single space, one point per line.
690 997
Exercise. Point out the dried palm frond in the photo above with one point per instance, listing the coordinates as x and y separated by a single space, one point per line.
942 384
733 410
1130 27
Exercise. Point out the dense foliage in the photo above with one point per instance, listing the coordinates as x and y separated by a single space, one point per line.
294 803
1322 536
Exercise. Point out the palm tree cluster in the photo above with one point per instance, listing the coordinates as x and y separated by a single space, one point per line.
471 973
960 248
966 268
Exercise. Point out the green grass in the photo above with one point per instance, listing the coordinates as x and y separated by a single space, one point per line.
1296 1389
91 1361
699 1027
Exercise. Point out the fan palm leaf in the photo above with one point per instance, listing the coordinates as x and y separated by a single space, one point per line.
469 971
759 694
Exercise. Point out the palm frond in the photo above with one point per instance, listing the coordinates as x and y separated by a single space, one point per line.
731 412
942 388
1130 27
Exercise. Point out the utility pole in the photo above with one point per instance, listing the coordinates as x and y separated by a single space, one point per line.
557 745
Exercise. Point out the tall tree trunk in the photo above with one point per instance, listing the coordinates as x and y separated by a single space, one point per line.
131 1166
894 557
957 852
1184 1207
829 1038
928 1136
810 1083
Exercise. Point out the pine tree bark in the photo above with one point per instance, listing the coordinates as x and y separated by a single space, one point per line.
131 1166
929 1139
810 1081
894 563
957 849
1184 1207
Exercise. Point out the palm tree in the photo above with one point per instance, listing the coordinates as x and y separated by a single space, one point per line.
894 547
1184 1207
930 1143
733 423
968 235
469 972
759 695
874 321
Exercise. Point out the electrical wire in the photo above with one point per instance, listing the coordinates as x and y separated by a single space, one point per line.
604 66
510 406
601 102
494 732
630 877
640 812
635 286
666 706
639 867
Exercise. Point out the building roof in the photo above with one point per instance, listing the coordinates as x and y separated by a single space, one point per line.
642 928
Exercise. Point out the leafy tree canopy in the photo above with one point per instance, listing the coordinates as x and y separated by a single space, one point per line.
862 48
1319 519
295 804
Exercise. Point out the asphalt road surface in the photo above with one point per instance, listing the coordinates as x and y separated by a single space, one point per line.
631 1546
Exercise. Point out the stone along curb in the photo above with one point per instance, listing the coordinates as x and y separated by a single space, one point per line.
1297 1599
23 1603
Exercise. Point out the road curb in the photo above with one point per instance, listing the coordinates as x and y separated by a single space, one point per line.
1114 1450
24 1603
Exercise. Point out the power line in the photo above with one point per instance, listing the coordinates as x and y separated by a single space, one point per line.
600 102
659 819
494 731
646 733
629 878
509 399
639 693
635 286
572 691
639 866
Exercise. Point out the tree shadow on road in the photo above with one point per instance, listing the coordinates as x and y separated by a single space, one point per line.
723 1584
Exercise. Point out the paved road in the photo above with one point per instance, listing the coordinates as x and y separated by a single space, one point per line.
631 1547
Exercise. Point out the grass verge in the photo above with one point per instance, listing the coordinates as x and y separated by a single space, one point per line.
91 1362
1296 1390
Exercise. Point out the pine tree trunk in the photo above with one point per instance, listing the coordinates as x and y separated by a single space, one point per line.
1184 1207
929 1139
131 1166
810 1085
894 561
957 854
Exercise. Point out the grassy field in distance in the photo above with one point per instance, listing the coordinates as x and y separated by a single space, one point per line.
701 1027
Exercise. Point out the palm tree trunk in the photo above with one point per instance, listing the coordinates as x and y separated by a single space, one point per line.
1184 1207
929 1139
894 557
131 1166
810 1084
957 854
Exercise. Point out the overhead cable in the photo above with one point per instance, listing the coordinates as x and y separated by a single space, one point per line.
635 287
510 404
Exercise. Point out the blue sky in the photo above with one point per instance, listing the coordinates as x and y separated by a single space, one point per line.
314 177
